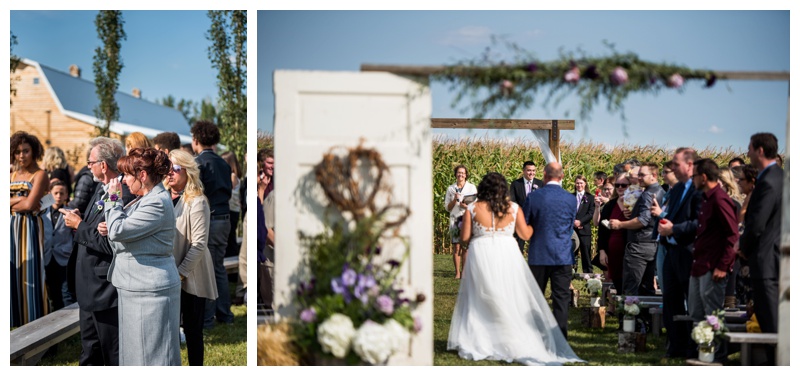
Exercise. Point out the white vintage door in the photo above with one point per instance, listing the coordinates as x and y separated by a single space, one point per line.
316 110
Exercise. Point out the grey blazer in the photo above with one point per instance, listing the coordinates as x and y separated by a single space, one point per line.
192 222
141 236
58 239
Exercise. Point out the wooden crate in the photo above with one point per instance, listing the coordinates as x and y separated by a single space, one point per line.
593 317
632 342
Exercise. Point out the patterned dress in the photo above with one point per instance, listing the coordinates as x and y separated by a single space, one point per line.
28 293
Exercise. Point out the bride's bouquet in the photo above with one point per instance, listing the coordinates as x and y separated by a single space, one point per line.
631 195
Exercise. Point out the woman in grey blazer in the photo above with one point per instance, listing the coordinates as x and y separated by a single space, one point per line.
196 268
143 269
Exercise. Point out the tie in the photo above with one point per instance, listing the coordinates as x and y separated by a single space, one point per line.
527 188
579 196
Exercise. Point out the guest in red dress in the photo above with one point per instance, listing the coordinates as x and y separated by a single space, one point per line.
611 243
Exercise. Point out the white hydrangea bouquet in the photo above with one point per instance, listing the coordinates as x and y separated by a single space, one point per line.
629 305
631 195
706 332
594 284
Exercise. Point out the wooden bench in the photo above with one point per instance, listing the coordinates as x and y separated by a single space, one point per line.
30 341
748 339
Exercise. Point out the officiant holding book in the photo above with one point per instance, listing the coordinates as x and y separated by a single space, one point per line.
458 196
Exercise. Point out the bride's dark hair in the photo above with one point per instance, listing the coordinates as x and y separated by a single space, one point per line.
494 190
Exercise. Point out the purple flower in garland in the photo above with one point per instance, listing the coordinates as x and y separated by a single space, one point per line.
675 81
533 67
385 305
711 80
573 75
591 72
619 76
308 315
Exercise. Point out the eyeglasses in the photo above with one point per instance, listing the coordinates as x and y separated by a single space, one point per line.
621 185
90 163
177 168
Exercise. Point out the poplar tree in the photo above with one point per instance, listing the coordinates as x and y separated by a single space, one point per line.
107 67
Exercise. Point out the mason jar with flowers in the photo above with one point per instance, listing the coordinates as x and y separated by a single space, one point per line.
706 334
630 306
594 286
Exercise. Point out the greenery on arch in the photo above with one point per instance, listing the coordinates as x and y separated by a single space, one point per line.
488 88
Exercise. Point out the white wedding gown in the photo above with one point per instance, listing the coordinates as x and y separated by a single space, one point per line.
500 313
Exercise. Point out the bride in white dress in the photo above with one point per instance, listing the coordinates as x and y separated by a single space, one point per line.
500 313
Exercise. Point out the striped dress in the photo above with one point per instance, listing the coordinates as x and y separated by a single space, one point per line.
28 293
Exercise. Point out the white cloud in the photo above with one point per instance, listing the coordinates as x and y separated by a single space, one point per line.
467 35
715 129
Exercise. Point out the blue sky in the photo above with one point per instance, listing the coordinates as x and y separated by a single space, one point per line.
723 116
165 51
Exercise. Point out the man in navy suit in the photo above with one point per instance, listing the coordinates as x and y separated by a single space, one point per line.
677 233
522 187
760 242
550 210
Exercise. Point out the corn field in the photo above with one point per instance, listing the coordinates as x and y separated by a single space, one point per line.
483 155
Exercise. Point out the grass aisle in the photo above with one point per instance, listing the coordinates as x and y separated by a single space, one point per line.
597 346
225 345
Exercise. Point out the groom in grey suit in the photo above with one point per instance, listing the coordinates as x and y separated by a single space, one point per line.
550 210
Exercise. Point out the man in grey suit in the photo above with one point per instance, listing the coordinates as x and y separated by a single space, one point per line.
96 296
760 242
638 268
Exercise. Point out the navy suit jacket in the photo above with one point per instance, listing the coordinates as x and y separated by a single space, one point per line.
761 239
684 216
551 211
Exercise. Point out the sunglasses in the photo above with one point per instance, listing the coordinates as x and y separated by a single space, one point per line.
621 185
177 168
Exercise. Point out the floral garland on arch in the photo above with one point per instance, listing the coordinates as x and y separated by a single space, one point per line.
505 89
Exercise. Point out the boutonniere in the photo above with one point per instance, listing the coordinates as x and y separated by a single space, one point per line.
584 199
112 198
535 186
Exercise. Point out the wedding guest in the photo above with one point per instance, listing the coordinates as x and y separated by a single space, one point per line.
728 183
521 188
188 148
266 259
640 253
736 161
619 169
600 200
137 140
611 243
190 249
28 186
167 141
215 174
717 231
234 205
583 222
677 231
746 180
670 180
143 269
85 186
600 178
96 296
58 248
760 242
455 205
55 164
633 175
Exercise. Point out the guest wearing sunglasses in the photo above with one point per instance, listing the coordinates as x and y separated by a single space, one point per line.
192 257
611 243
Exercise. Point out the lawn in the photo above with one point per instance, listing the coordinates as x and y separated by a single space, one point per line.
225 345
597 346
